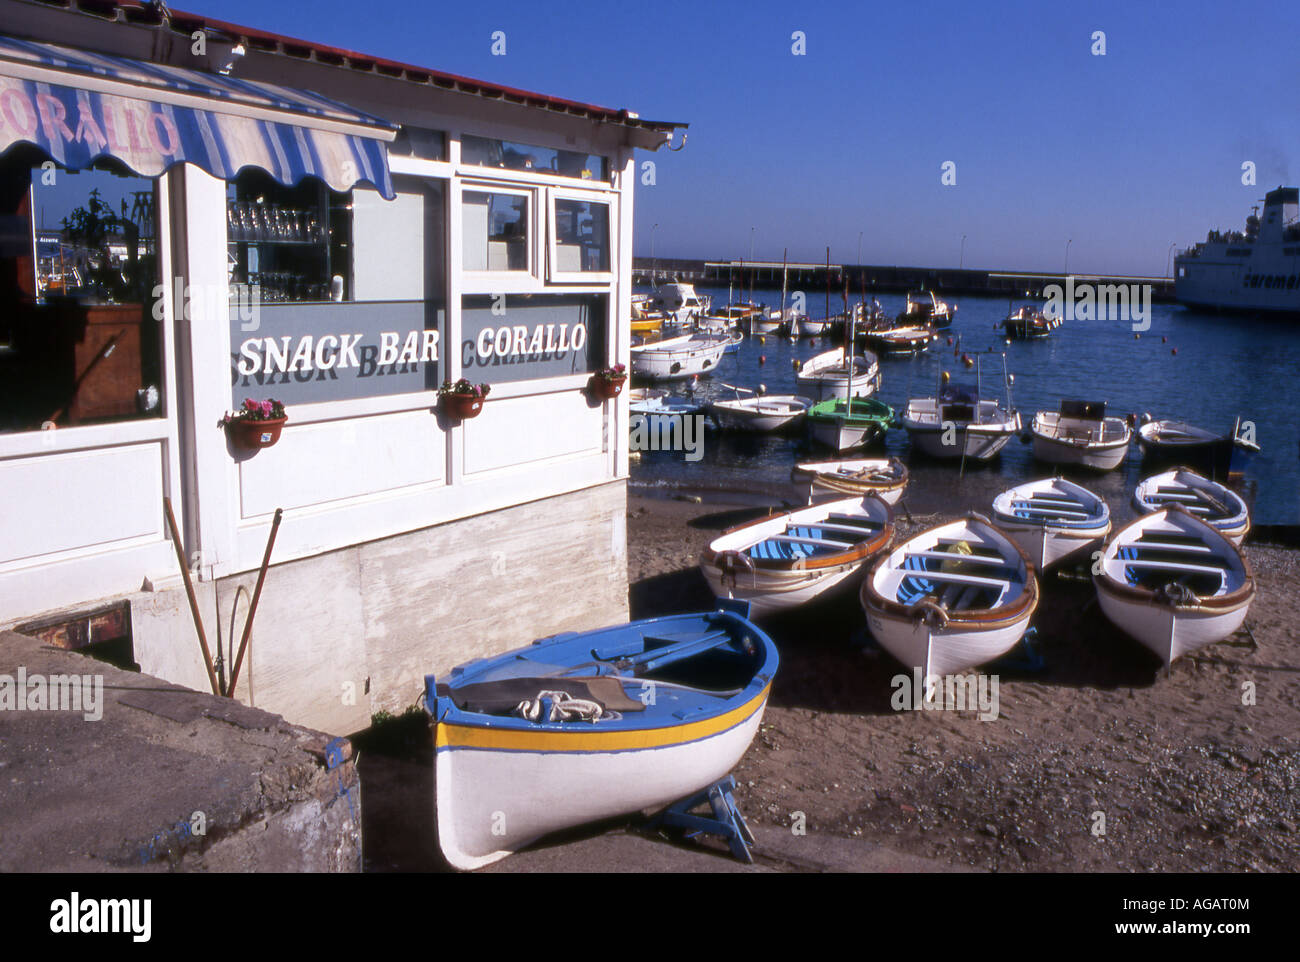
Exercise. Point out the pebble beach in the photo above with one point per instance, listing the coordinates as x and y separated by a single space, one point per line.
1098 760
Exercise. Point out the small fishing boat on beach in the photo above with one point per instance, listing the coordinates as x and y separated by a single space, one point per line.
955 596
678 358
585 726
960 423
763 413
827 375
1174 583
846 423
1219 506
884 477
1177 442
786 560
1051 519
1029 322
1081 434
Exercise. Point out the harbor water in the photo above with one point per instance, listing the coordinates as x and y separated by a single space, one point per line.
1205 369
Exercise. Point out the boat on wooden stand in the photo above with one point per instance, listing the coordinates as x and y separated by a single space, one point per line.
585 726
1174 583
1052 520
1219 506
955 596
789 559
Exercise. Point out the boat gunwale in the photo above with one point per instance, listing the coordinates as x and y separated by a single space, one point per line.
860 550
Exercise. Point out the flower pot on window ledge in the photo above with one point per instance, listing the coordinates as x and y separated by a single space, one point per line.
607 388
251 434
462 406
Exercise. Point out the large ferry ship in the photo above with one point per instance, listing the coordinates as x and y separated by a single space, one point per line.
1253 270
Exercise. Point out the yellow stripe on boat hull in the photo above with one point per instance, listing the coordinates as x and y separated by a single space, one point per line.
452 736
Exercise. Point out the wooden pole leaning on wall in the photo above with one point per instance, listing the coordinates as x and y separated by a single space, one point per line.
252 606
189 593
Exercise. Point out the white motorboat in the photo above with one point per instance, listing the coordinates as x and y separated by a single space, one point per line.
680 302
958 423
789 559
1174 583
955 596
884 477
1052 519
678 358
1081 434
1218 506
827 375
764 413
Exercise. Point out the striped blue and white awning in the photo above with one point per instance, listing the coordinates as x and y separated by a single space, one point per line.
79 106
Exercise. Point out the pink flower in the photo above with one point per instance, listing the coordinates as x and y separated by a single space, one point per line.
266 409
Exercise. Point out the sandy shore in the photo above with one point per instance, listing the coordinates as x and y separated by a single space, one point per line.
1187 777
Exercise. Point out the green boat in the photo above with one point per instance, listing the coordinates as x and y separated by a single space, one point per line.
837 425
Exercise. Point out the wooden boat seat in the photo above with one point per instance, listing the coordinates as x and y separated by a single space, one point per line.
1053 500
1171 566
858 530
980 559
1190 547
1051 509
975 546
855 520
818 542
954 578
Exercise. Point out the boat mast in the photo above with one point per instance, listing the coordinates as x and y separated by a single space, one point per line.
784 253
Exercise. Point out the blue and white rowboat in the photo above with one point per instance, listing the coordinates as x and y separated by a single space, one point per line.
1052 519
581 727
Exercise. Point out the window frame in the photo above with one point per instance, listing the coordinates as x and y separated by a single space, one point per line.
553 274
529 280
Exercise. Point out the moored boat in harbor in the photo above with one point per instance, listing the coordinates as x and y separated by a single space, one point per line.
789 559
1029 322
954 596
827 375
677 358
845 423
763 413
1177 442
1081 434
585 726
960 423
1174 583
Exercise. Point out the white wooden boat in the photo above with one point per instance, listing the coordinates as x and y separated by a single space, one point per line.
842 424
1052 519
764 413
1174 583
1081 434
957 423
644 401
953 597
1177 442
678 358
789 559
583 727
909 339
827 375
1218 506
884 477
814 327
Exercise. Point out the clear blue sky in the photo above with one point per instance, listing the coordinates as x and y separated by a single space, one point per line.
1123 154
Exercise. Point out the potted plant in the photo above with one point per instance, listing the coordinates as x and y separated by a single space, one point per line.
608 381
256 425
462 400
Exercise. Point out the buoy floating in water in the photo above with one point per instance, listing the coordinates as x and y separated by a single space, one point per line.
762 359
1173 350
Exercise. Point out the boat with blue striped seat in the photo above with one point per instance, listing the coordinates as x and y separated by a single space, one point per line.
1217 505
585 726
955 596
1052 519
1174 582
786 560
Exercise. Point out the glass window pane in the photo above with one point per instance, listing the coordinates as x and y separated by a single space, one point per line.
484 152
79 342
581 236
419 142
495 228
538 336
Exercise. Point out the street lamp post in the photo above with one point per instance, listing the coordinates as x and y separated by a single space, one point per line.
1067 256
860 248
1169 260
961 264
654 265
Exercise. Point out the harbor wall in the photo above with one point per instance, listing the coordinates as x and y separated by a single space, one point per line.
345 634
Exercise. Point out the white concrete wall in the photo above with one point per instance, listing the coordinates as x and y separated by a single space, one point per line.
342 635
